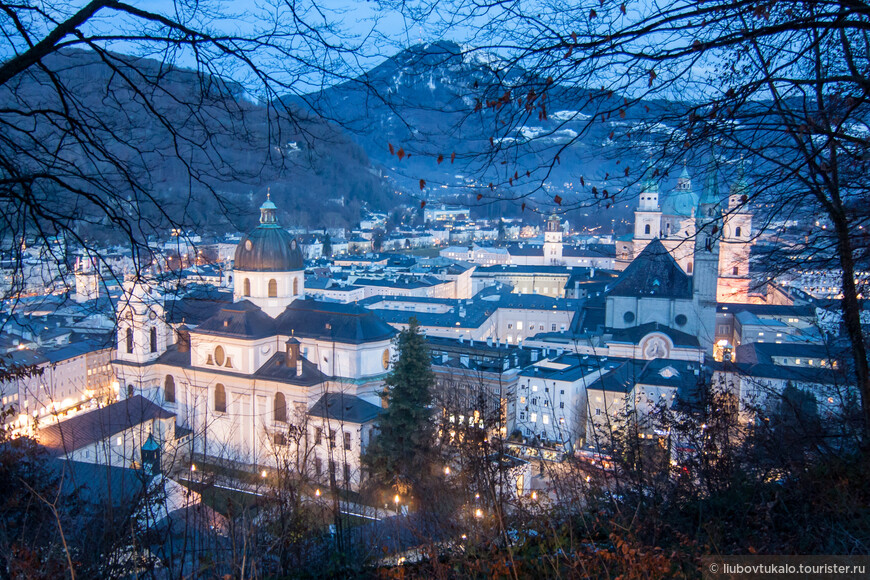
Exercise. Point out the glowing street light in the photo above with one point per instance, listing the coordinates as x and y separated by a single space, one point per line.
193 466
478 513
317 492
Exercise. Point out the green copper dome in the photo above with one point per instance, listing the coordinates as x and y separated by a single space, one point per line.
269 247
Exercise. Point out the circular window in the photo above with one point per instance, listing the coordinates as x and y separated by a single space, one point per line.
152 315
628 317
248 245
681 320
293 244
385 359
219 357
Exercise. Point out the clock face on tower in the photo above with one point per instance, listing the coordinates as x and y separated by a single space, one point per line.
385 359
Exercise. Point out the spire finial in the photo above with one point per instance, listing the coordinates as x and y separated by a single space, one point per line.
268 193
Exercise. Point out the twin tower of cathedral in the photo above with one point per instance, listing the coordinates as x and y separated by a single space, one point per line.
709 240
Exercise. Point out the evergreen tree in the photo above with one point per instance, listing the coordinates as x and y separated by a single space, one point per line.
327 246
399 451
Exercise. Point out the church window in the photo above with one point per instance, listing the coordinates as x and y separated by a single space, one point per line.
273 288
346 440
681 319
646 229
219 356
735 271
220 398
628 317
129 339
318 435
318 466
689 268
280 408
295 286
169 389
347 472
246 287
737 232
153 339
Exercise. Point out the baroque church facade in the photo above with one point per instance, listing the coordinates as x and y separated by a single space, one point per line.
271 376
677 220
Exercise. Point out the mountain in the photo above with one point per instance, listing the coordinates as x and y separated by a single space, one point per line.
194 148
438 99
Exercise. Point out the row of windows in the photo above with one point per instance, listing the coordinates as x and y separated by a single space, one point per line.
152 337
532 326
533 417
318 437
272 290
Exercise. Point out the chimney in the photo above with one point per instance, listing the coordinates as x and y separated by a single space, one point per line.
292 358
534 355
183 339
488 341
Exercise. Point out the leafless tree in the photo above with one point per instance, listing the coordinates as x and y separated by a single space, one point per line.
783 85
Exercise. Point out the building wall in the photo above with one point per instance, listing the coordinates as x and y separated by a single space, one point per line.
514 324
649 309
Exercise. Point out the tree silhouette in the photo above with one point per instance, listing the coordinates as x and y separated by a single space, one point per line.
400 450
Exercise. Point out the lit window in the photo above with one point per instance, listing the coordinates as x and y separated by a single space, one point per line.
546 419
534 417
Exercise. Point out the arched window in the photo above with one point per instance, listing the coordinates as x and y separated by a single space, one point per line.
735 271
169 389
737 232
646 229
689 268
153 339
129 340
295 286
219 356
280 408
273 288
220 398
246 287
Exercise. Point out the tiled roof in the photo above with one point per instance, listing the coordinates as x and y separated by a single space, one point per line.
345 408
242 319
99 424
276 369
654 273
346 323
634 334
